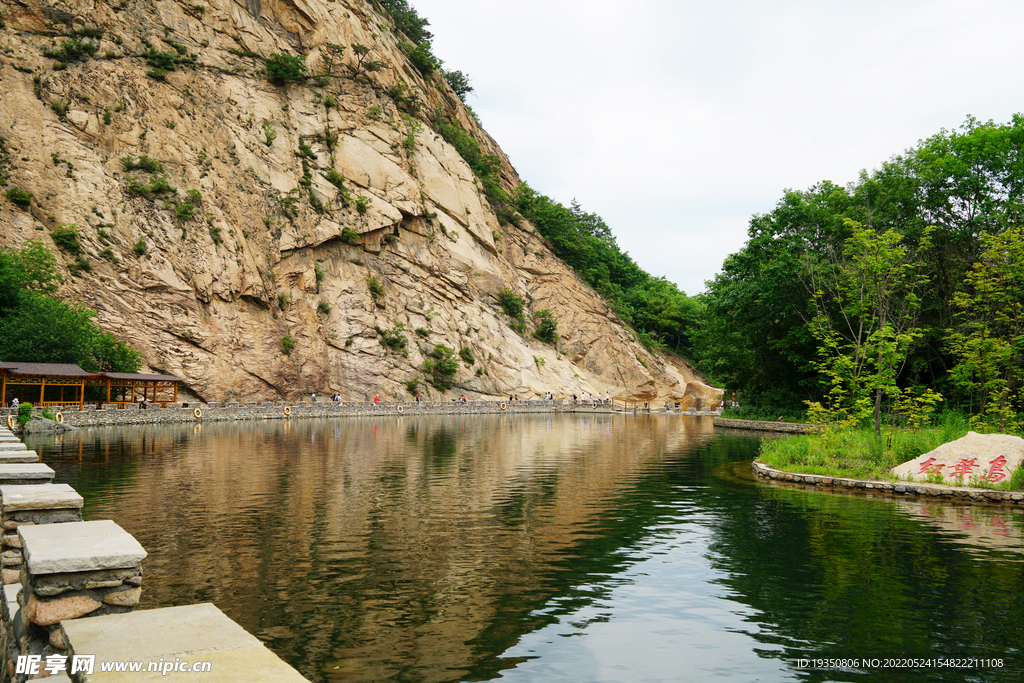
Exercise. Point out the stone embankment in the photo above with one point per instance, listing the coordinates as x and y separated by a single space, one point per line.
765 426
893 488
133 414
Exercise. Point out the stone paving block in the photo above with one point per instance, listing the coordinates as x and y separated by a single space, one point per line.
79 547
38 497
13 446
25 473
18 456
192 633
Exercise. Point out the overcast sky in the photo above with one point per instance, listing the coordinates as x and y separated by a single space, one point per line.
677 120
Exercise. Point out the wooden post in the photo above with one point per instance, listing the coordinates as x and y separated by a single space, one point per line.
175 393
81 395
42 392
3 393
108 390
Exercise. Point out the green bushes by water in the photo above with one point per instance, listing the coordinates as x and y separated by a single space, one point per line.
855 452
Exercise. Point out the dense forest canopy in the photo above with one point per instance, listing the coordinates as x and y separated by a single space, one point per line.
955 204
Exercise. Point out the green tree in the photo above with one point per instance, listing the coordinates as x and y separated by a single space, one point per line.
110 354
459 82
867 303
42 329
362 64
36 327
988 340
32 267
407 20
422 57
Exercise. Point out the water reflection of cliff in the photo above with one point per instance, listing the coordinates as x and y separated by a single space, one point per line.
412 549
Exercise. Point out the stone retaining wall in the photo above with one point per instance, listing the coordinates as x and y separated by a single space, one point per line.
765 426
110 414
894 488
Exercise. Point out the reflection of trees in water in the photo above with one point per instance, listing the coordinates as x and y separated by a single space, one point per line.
833 575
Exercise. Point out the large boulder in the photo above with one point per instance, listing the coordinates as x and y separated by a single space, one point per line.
40 425
974 459
700 395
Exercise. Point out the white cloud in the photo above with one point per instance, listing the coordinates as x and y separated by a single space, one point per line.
675 121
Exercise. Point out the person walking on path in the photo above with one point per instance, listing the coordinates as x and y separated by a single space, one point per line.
376 400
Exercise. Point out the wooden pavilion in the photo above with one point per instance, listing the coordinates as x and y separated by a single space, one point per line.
52 384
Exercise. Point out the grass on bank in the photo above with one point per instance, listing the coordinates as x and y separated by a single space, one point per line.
855 453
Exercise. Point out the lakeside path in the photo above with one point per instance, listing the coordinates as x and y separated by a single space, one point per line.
826 483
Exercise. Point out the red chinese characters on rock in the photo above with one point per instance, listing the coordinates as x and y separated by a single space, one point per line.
929 467
996 471
964 467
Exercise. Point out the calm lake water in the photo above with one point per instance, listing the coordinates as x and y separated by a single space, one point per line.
548 548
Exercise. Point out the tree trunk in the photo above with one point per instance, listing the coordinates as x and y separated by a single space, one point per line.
878 413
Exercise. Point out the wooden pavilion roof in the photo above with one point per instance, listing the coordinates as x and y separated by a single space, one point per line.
45 370
67 370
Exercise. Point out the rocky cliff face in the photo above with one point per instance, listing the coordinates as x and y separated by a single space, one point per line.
306 217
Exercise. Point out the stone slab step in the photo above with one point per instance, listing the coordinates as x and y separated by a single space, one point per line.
193 633
18 456
14 446
79 547
39 497
25 473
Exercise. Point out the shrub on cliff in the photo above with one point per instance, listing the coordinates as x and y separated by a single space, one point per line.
421 57
65 236
73 50
511 303
20 197
392 338
284 69
442 367
547 326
